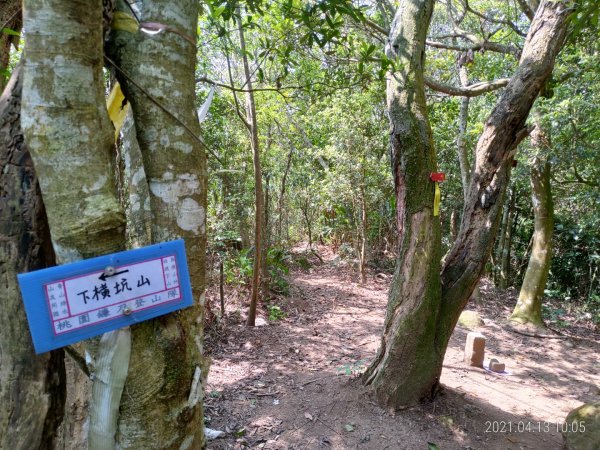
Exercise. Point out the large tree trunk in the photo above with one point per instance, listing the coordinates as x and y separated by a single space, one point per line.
529 306
32 387
163 405
418 326
71 139
503 131
407 365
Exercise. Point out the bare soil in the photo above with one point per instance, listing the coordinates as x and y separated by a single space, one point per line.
295 383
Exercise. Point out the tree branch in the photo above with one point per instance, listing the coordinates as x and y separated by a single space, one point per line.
478 45
472 90
376 27
508 23
236 89
526 9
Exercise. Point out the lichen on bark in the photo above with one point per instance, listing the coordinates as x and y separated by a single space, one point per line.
167 352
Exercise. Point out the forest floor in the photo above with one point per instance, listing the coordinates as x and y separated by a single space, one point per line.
294 383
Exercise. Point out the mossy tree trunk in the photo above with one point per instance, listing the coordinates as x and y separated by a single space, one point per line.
423 307
163 405
32 387
407 364
529 306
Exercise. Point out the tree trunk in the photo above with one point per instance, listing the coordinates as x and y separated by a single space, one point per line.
504 255
288 164
66 126
418 325
258 190
502 132
265 278
407 365
461 145
504 224
32 387
163 405
529 306
363 232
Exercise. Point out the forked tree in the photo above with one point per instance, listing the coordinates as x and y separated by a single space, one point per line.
426 297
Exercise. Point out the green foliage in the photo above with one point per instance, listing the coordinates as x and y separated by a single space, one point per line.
275 313
355 368
10 32
277 263
554 316
237 268
576 260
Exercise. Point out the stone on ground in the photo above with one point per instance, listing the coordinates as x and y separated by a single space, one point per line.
470 319
475 349
582 427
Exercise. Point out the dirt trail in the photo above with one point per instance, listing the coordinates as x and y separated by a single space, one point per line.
293 384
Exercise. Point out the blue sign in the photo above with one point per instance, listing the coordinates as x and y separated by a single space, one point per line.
66 304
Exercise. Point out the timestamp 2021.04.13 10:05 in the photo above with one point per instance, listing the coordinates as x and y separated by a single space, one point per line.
533 426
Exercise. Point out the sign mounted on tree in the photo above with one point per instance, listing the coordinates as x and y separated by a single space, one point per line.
69 303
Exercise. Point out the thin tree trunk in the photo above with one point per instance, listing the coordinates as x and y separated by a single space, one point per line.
258 190
422 312
163 405
502 237
282 192
506 240
463 154
529 306
461 145
363 233
265 279
32 387
221 286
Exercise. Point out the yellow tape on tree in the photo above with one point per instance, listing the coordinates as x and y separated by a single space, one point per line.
116 110
436 200
124 22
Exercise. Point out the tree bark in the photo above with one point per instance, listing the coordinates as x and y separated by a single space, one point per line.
363 231
407 364
529 306
506 239
32 387
163 405
66 126
258 189
503 131
461 145
418 325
